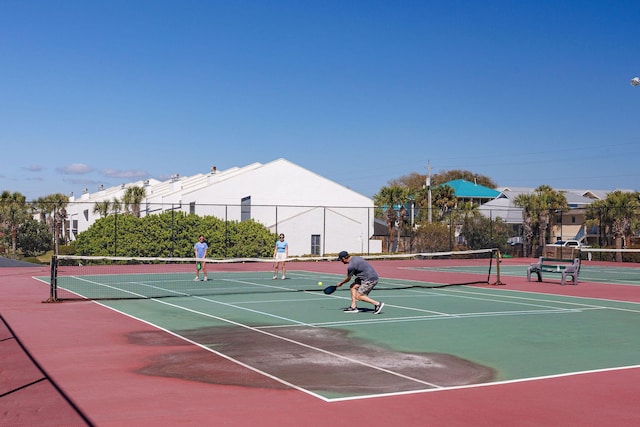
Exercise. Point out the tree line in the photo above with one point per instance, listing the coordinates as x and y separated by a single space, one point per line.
438 214
121 231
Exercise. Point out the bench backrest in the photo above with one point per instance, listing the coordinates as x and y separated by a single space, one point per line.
556 260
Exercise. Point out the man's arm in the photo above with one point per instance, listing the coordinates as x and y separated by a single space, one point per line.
345 280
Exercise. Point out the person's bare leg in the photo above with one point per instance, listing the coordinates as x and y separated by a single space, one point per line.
365 298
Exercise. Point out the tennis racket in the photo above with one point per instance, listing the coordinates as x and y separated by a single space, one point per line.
329 289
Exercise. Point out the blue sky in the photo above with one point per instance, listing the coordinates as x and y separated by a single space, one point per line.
361 92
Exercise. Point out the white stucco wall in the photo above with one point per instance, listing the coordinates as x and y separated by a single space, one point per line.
284 197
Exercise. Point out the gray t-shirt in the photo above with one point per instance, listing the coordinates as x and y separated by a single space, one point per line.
361 269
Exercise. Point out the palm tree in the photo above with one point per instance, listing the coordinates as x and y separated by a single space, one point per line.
13 213
620 210
40 206
102 208
116 206
444 198
402 215
387 199
597 216
529 221
548 200
538 207
58 213
53 211
468 210
132 199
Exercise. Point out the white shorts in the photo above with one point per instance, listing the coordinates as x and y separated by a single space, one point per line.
281 256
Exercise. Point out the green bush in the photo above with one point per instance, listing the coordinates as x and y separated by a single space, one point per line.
173 235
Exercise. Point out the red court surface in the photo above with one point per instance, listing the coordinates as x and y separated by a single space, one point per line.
83 349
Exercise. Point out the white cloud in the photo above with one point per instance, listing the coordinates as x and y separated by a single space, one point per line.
75 169
81 181
117 173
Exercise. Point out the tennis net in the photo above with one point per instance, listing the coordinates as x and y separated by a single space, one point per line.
96 278
627 255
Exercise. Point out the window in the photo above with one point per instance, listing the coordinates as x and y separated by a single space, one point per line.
86 214
315 244
192 207
245 208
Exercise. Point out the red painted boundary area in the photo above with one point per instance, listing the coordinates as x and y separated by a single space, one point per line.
83 348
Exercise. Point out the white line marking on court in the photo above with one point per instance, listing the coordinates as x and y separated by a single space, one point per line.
583 305
484 298
124 290
446 317
490 384
237 307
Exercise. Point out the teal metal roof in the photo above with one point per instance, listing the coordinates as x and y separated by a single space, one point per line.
470 190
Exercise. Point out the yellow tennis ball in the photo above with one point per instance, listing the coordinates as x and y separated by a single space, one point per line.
319 283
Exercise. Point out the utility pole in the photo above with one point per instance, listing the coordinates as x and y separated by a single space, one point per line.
429 190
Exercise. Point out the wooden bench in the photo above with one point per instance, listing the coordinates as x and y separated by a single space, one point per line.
565 267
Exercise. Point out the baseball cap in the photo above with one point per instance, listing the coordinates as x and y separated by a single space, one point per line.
342 255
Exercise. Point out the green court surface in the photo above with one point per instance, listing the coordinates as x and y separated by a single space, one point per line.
495 333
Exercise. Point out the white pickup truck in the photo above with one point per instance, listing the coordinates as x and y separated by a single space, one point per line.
568 244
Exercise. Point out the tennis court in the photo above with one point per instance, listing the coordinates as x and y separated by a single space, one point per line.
244 330
427 339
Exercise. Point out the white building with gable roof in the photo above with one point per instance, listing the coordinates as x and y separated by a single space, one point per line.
318 216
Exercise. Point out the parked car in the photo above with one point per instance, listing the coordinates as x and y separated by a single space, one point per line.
568 244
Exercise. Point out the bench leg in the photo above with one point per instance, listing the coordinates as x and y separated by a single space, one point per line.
574 278
534 271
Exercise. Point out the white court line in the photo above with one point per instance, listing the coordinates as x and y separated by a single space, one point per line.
489 384
483 297
558 301
104 285
446 317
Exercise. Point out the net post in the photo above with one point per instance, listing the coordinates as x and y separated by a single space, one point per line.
498 282
53 281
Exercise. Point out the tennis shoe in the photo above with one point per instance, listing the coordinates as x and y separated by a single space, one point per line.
378 308
283 277
197 279
275 277
351 310
206 279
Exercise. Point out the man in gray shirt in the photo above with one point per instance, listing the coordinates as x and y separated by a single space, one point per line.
366 280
